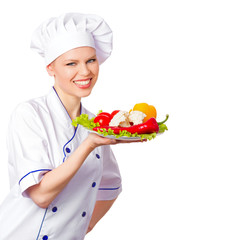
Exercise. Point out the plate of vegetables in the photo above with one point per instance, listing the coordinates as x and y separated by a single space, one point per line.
137 124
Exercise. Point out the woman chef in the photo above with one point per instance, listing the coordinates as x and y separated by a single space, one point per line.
63 180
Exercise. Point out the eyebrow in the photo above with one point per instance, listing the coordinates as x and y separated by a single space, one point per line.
76 60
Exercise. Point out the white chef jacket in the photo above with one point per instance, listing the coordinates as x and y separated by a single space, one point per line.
40 138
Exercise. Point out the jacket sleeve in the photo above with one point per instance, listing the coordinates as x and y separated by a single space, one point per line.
111 183
27 148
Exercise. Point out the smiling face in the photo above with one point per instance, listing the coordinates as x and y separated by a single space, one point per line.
75 72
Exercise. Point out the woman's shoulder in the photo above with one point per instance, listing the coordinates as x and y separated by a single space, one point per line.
28 109
29 106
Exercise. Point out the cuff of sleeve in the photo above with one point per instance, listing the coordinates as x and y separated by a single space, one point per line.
108 193
30 179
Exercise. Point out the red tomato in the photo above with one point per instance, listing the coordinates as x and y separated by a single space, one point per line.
114 113
103 120
105 114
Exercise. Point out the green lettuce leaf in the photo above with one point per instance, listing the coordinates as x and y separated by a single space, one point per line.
85 122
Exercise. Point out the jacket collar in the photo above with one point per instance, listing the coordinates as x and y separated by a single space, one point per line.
58 109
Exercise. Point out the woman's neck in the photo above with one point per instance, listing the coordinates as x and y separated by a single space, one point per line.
71 103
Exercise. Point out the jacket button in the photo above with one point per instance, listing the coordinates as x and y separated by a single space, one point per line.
54 209
68 150
94 184
97 156
45 237
84 214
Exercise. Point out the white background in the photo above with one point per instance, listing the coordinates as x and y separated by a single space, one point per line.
181 56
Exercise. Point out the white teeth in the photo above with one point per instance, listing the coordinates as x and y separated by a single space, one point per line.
82 83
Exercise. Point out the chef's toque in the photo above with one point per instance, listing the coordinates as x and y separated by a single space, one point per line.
71 30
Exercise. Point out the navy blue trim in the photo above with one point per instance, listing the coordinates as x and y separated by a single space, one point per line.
69 142
70 119
108 188
33 172
42 223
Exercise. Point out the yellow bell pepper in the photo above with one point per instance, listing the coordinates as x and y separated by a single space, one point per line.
149 110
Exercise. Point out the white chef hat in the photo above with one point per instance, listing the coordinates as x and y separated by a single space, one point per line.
71 30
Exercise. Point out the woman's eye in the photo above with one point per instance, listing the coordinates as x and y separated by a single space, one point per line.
71 64
91 60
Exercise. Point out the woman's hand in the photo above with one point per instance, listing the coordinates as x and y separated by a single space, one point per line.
95 140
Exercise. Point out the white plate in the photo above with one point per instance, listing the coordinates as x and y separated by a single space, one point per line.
119 138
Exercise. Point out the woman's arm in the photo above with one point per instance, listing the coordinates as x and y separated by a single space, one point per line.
55 181
100 209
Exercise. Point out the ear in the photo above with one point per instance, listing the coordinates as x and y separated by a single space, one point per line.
50 70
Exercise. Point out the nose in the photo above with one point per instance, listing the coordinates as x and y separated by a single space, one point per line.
83 70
